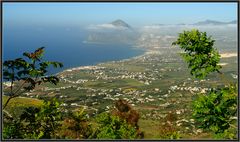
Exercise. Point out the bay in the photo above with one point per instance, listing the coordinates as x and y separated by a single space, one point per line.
62 44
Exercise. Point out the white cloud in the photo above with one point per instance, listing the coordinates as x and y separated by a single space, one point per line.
105 26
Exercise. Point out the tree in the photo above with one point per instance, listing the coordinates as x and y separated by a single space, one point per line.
76 125
214 110
167 129
124 111
28 73
113 127
35 122
200 55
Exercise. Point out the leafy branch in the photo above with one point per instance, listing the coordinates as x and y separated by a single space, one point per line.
30 72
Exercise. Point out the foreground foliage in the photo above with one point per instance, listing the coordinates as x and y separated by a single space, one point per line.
215 111
121 123
76 126
167 130
112 127
35 122
200 55
28 72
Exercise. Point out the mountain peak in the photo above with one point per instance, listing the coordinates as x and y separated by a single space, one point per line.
120 23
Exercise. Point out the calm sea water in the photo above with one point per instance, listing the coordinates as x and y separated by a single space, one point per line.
62 44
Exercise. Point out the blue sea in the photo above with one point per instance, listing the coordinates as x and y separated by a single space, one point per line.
62 44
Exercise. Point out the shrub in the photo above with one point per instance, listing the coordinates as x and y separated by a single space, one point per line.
76 126
125 112
112 127
12 130
215 110
35 123
167 130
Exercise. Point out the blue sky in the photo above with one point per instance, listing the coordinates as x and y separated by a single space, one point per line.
136 14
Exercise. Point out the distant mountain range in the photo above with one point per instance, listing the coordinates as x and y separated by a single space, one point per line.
212 22
118 31
202 23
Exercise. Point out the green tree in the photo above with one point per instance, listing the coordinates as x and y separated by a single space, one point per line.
113 127
27 73
200 55
216 110
35 123
13 129
213 111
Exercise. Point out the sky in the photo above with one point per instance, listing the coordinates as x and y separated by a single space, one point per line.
135 14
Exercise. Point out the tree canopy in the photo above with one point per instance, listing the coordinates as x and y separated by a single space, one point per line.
30 72
201 56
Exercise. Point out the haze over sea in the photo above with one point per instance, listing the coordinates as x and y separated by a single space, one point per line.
62 44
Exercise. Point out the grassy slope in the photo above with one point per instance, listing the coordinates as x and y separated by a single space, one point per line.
16 105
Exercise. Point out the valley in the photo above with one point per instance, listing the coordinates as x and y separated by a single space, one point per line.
155 84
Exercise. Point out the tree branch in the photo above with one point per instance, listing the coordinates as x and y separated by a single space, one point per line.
7 102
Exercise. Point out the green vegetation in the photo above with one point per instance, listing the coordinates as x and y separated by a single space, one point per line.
153 97
119 83
112 127
18 104
35 122
29 74
76 126
215 110
200 55
167 129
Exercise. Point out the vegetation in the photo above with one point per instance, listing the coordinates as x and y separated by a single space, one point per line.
215 110
35 122
76 126
24 75
200 55
167 128
29 73
113 127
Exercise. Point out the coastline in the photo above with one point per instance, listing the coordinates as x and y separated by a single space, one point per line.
146 52
97 66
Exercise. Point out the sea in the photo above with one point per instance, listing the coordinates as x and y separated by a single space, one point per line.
62 44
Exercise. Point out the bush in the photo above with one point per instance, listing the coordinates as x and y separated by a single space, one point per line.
230 133
76 126
12 130
215 110
167 130
124 111
35 123
112 127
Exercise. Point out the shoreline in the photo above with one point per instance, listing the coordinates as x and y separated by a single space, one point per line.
96 66
146 52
